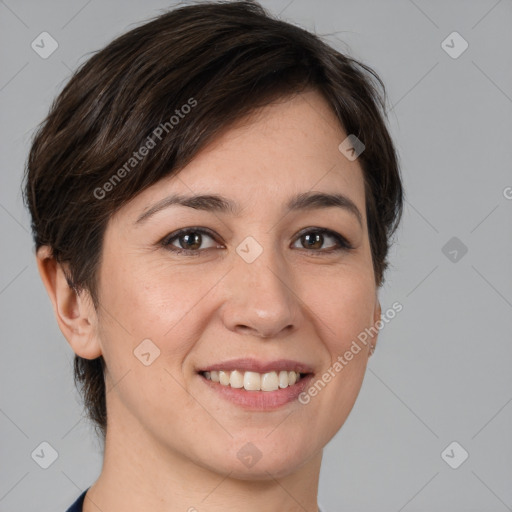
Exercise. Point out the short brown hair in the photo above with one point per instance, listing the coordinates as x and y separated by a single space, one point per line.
221 59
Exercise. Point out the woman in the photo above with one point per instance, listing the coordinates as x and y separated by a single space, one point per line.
212 198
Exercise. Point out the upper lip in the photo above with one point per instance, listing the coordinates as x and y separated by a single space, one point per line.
254 365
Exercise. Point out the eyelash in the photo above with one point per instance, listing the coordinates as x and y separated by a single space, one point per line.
343 244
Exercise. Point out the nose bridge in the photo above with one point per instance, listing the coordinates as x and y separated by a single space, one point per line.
260 298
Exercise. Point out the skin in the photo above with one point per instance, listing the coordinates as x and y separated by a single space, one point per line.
171 442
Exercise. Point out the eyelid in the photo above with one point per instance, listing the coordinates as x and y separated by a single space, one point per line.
166 241
343 243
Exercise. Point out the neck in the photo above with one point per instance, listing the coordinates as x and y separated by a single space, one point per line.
139 473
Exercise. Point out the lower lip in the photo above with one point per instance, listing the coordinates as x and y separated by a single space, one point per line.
260 400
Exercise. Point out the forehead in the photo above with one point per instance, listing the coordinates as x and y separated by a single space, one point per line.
283 149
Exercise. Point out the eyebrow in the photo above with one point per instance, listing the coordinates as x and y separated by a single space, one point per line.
217 203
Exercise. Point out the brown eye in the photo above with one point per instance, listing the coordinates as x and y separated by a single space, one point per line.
314 239
189 240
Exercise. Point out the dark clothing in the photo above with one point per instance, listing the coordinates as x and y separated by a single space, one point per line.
77 505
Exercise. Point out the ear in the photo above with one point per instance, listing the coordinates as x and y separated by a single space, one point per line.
376 317
75 312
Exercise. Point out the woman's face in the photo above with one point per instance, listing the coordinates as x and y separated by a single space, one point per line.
262 283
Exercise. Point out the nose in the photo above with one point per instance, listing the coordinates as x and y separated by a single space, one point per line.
260 299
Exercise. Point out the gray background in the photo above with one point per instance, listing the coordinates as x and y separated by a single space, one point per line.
441 372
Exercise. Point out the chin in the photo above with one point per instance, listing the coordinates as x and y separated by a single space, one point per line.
266 468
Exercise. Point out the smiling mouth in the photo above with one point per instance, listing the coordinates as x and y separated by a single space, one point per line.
254 381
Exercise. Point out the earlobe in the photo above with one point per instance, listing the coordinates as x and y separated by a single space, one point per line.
74 311
377 312
376 317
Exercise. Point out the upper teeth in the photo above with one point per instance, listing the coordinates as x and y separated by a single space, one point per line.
253 381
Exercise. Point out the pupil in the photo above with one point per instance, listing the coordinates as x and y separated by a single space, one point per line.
316 240
196 240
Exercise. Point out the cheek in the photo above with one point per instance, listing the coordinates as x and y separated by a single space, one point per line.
172 304
344 305
155 311
156 302
145 298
